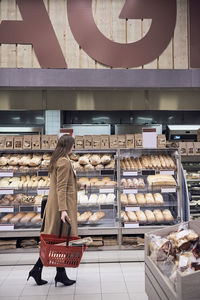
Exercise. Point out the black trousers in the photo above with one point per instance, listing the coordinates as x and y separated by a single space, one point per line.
39 264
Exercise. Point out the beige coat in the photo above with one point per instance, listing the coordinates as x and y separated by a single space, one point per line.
62 196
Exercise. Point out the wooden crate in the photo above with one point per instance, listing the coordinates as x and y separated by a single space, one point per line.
187 285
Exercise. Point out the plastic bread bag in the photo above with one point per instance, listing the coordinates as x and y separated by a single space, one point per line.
167 266
160 248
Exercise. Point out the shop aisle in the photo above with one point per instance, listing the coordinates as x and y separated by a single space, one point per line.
95 281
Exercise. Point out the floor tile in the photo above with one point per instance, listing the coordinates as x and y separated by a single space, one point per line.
8 298
113 287
61 290
88 297
5 290
60 297
32 297
138 296
82 288
36 290
137 287
115 296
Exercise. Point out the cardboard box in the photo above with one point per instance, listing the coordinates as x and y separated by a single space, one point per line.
197 148
27 141
53 141
183 148
45 142
105 141
187 286
138 140
18 142
35 142
190 148
9 142
87 141
79 142
2 141
161 141
121 141
96 142
130 141
113 141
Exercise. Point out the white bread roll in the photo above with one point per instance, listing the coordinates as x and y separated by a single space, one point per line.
132 216
135 182
93 199
110 198
123 199
102 199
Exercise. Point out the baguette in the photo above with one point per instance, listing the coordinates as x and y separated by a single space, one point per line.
36 219
7 218
17 218
27 218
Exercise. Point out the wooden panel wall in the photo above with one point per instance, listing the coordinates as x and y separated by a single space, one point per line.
106 15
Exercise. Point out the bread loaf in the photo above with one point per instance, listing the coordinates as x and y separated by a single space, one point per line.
95 159
93 199
105 159
132 216
158 215
135 183
84 217
161 180
27 218
140 198
124 217
123 199
131 199
102 199
110 198
122 165
141 183
7 218
17 218
149 198
149 215
158 198
167 215
36 219
88 167
141 216
83 160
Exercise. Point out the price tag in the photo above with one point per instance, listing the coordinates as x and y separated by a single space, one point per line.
42 173
131 225
38 209
26 208
165 172
43 191
106 191
132 208
168 190
133 191
107 172
109 206
148 172
130 173
6 227
6 192
6 174
6 209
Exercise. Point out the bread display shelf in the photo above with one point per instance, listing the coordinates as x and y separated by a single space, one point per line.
148 223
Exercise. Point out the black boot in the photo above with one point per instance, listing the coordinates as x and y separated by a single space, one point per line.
36 273
61 277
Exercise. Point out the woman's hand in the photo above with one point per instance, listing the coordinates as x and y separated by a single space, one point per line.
64 216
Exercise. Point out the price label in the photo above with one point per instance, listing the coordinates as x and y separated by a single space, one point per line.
132 208
167 172
6 209
148 172
6 174
6 227
132 191
6 192
131 225
38 209
42 173
26 208
107 172
106 191
130 173
43 191
168 190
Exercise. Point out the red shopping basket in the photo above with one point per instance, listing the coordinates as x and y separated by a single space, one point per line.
54 255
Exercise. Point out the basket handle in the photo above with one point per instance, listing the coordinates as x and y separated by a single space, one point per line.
68 231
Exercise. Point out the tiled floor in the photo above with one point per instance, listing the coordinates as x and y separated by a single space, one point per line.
94 280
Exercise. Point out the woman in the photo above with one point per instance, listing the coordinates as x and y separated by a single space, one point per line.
61 204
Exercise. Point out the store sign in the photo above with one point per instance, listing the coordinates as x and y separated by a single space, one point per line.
36 29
